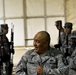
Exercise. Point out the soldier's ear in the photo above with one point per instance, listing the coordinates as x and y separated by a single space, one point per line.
46 43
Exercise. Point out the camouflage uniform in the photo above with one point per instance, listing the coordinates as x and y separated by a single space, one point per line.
6 55
51 61
72 58
64 46
66 38
6 49
62 37
72 63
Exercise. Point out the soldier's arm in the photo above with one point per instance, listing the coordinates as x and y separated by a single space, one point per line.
62 37
61 67
21 68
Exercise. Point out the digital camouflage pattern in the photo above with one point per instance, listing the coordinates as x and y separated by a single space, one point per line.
51 61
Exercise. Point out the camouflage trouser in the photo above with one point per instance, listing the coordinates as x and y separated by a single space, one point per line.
4 68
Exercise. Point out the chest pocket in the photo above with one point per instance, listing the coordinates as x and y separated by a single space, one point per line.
51 63
31 67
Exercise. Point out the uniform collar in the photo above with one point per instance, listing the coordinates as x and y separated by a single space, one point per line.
46 54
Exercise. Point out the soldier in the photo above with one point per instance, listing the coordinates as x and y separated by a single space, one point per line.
5 51
58 24
66 38
72 58
42 60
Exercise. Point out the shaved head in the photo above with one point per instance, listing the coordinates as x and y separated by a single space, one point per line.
43 35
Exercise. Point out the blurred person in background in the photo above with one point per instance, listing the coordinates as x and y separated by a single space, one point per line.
58 25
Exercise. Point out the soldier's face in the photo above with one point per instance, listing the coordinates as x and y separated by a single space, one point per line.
39 44
5 31
58 27
67 30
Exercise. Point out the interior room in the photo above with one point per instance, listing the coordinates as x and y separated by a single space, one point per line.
31 16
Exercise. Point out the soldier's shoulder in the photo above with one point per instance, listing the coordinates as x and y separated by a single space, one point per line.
5 39
55 52
29 51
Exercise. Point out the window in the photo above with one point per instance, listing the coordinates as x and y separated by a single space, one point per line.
31 16
11 12
41 15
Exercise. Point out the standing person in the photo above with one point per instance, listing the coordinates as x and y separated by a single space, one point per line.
72 58
5 50
42 60
58 25
67 40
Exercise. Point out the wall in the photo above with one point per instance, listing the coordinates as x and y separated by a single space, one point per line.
71 12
